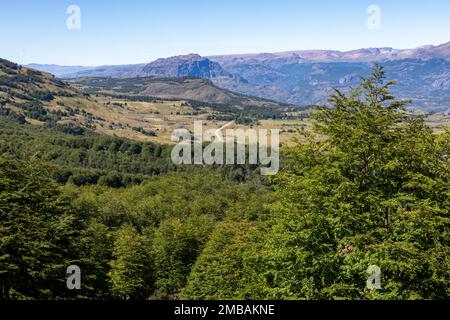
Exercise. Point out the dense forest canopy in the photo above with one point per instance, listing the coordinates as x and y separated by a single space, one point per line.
370 186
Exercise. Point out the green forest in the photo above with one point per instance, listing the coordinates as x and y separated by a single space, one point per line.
368 186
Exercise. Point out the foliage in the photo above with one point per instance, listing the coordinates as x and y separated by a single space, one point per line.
227 268
35 232
131 273
375 191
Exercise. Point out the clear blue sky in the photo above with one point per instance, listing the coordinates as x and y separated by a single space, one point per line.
137 31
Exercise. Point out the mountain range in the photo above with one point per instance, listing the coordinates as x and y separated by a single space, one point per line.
299 77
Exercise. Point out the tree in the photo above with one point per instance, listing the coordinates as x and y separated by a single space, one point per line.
228 266
94 245
131 268
177 244
371 189
36 229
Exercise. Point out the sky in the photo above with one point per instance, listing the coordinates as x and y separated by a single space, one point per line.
139 31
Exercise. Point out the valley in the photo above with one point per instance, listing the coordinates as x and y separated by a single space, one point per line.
88 177
145 109
145 156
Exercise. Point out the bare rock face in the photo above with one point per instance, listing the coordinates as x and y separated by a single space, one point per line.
191 65
442 81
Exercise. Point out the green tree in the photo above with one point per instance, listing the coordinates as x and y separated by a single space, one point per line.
131 268
371 189
94 246
35 233
177 244
228 266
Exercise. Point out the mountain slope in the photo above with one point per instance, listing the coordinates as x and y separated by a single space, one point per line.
426 82
39 97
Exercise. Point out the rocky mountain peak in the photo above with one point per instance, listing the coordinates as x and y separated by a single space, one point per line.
191 65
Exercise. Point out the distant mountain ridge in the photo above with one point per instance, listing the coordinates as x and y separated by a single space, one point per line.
300 77
360 55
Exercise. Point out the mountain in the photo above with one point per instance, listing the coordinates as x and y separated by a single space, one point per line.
191 65
129 70
426 82
68 72
305 77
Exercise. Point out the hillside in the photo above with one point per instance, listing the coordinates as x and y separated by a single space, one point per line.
187 88
38 97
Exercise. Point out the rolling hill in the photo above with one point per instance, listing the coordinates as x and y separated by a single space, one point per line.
39 97
185 88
